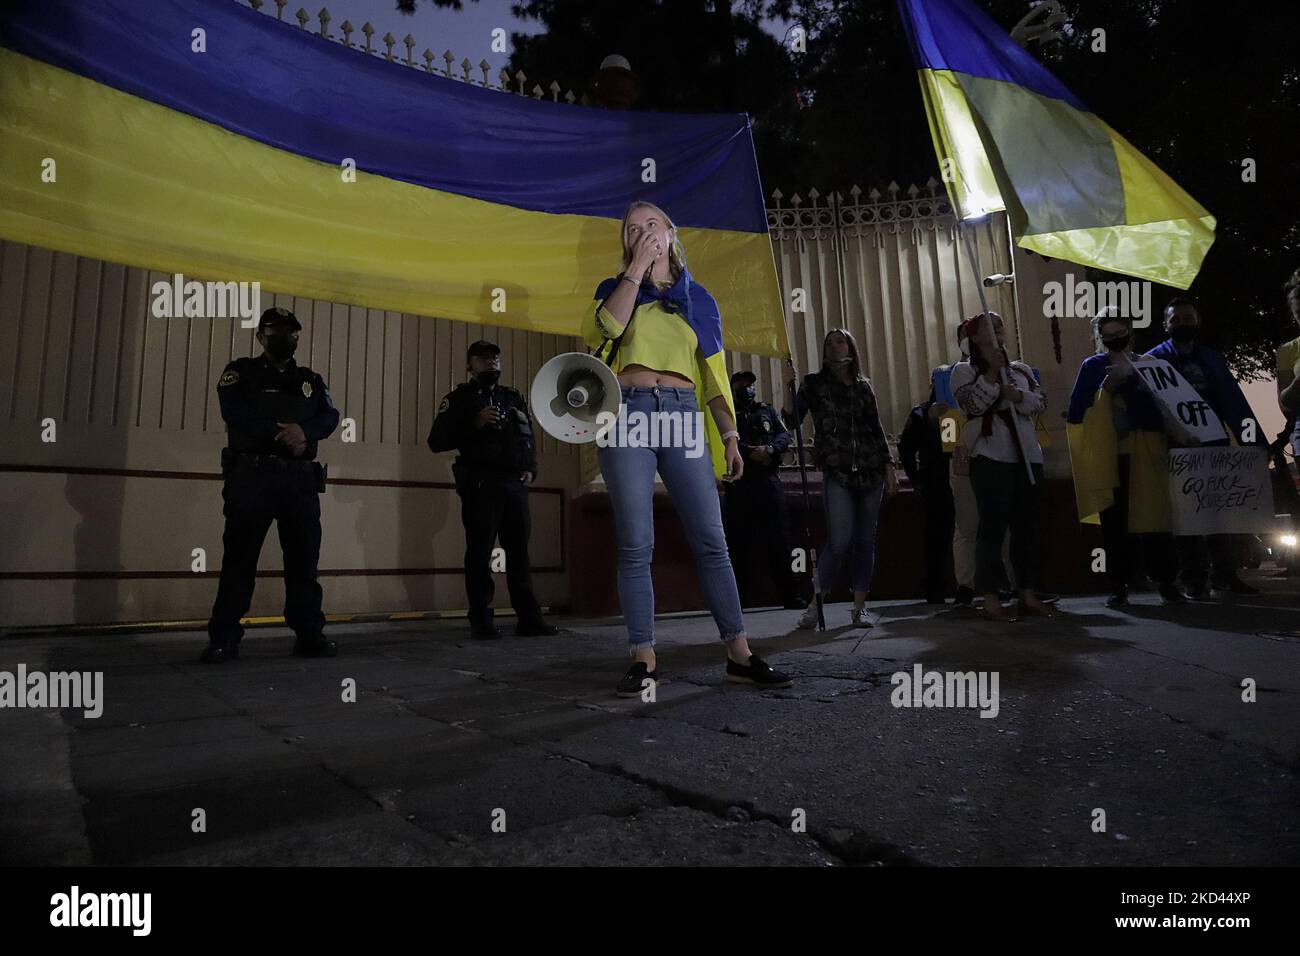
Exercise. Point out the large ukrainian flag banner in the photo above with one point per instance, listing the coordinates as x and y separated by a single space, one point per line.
227 165
1015 138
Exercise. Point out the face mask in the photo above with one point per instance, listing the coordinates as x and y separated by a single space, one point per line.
489 378
965 351
1183 334
744 395
280 347
1117 343
840 361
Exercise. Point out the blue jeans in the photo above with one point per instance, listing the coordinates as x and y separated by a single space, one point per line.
850 534
630 475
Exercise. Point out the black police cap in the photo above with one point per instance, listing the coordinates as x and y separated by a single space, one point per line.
750 378
277 314
482 347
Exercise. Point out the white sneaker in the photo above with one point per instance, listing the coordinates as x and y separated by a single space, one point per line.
864 618
808 619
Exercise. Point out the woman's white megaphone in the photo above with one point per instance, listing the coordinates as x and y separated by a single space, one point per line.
569 394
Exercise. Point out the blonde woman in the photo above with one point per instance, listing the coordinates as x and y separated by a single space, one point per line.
662 334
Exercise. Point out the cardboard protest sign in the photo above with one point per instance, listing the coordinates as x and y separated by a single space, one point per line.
1220 491
1183 403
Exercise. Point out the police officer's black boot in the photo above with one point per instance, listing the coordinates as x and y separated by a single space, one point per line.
481 626
218 652
315 645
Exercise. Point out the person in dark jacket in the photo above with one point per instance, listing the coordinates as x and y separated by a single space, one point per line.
853 455
756 512
920 450
1207 372
489 425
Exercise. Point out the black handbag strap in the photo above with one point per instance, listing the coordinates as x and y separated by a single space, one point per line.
615 343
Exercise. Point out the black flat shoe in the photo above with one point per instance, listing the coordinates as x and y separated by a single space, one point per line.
489 633
219 653
632 684
315 647
535 629
757 672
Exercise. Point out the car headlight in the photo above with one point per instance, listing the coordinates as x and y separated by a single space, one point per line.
1287 540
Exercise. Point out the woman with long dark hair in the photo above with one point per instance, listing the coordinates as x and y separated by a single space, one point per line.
1001 400
853 455
661 331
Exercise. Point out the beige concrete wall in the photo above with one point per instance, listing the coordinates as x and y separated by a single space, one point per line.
101 522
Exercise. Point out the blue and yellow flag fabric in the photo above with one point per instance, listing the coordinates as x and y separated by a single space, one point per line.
211 139
1010 136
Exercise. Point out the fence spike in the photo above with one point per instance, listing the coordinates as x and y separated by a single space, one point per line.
555 91
465 67
408 41
855 191
484 65
302 18
537 91
389 40
255 4
324 18
428 60
279 9
347 28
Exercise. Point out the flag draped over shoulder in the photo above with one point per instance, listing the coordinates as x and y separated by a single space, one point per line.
1010 136
228 164
1094 457
699 309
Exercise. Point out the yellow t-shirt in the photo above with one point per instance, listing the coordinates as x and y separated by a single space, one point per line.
658 339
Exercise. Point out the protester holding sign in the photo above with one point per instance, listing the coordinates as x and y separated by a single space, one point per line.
1207 372
1118 448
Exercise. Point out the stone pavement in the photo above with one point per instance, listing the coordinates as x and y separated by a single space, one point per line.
1139 714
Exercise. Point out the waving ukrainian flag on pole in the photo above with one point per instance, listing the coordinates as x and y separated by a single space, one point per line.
203 137
1010 136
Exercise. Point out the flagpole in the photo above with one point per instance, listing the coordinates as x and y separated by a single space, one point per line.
803 481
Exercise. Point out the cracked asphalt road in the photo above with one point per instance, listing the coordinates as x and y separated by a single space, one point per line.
516 752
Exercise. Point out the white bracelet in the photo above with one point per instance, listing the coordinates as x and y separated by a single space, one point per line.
731 434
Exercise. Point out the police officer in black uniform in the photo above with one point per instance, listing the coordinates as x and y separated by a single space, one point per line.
490 426
276 411
756 513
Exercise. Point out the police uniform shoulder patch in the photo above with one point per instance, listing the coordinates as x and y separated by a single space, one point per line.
446 403
228 377
306 388
767 425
